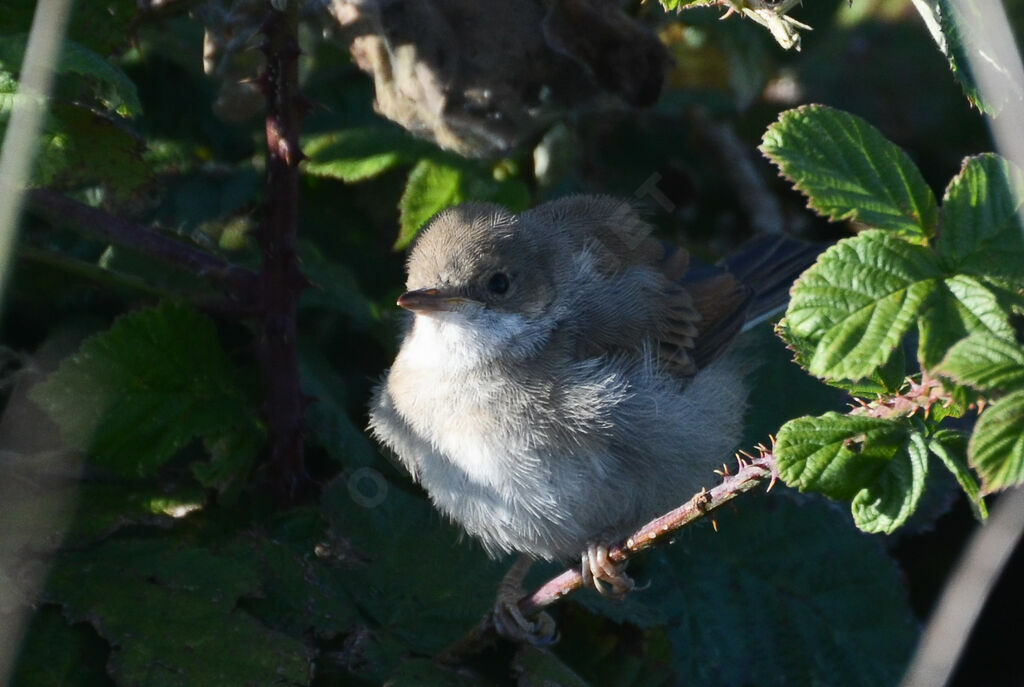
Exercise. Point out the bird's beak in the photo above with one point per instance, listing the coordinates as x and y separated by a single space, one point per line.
429 300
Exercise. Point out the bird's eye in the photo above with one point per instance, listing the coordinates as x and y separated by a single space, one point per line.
498 283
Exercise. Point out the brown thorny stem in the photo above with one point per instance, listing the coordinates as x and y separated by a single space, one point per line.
751 472
919 396
279 280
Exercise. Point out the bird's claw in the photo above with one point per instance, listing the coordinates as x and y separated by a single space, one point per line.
511 624
603 574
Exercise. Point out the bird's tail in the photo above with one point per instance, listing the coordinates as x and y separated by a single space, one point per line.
768 265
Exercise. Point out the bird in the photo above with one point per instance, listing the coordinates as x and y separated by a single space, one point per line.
566 376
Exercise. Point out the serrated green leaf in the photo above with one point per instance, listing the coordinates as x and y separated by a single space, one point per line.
956 27
849 171
893 497
851 309
112 86
985 362
837 455
353 155
136 394
950 447
782 594
982 233
996 448
171 613
961 305
431 187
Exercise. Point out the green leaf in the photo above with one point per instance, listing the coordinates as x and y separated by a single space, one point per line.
837 455
894 496
782 594
981 230
171 614
333 288
950 447
111 85
431 187
996 448
960 306
985 362
79 147
427 602
851 309
136 394
232 454
849 171
353 155
434 185
302 585
956 27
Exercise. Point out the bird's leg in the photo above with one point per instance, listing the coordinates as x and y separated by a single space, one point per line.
598 570
509 621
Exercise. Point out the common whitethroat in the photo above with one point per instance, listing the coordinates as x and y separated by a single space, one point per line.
565 376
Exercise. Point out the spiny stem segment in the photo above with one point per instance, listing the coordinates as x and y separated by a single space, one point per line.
280 281
751 472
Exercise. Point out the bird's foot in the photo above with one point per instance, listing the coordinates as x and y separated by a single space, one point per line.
603 574
510 622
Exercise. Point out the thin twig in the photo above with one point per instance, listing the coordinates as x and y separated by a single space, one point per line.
752 471
280 281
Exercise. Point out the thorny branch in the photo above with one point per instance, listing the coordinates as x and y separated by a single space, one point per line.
280 281
917 397
752 471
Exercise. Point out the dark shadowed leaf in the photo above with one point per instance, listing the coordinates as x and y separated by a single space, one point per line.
748 602
171 613
136 394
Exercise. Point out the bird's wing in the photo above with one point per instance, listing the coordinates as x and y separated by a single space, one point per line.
638 303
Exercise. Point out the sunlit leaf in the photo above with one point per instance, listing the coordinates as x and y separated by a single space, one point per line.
849 171
996 448
853 307
982 232
985 362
